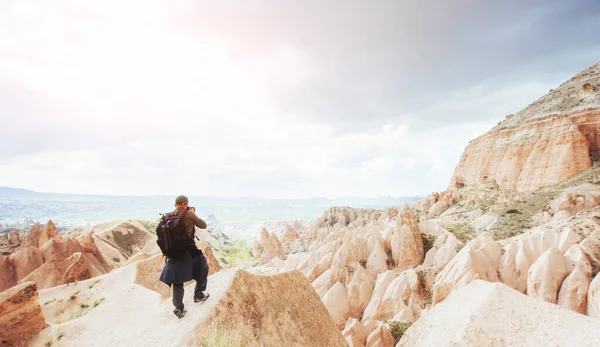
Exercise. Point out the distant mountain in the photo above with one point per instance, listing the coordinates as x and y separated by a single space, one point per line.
87 209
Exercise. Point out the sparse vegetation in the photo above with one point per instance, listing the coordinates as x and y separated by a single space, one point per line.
60 336
83 305
398 329
517 217
98 302
74 295
48 344
390 262
464 232
363 263
49 302
93 284
237 252
428 242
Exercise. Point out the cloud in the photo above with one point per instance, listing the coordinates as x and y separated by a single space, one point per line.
269 98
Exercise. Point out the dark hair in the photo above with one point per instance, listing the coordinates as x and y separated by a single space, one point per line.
181 200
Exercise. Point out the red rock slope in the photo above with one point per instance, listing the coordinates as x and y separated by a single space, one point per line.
21 316
549 141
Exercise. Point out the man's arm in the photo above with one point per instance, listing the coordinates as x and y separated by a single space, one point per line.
197 221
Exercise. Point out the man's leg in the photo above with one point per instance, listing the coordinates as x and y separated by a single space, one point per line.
178 295
201 275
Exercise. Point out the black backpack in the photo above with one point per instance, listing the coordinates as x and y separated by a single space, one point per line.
172 238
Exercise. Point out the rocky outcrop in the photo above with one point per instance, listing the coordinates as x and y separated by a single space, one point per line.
21 317
549 141
272 249
289 235
33 238
485 314
264 236
266 304
59 270
546 275
336 301
406 241
213 264
479 259
129 236
49 233
25 260
521 254
574 291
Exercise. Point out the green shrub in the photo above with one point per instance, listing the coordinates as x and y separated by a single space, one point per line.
428 242
398 329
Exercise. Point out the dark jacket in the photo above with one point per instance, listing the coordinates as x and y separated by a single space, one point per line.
182 269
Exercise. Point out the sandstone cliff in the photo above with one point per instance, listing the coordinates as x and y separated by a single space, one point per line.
549 141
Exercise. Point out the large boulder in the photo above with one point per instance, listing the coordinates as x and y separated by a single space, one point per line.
493 314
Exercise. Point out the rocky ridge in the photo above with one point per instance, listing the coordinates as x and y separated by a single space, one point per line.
551 140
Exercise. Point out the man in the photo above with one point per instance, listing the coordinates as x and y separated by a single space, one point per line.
191 265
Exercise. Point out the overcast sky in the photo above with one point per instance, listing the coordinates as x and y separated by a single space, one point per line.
278 99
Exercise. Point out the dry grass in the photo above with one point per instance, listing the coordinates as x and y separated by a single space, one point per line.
463 231
220 335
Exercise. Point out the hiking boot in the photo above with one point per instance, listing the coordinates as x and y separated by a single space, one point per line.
201 297
179 312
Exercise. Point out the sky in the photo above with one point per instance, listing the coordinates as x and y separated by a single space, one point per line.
275 99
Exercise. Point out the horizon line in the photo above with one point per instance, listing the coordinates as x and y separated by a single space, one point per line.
217 197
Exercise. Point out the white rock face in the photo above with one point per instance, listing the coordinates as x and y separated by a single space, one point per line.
520 255
593 299
381 285
381 337
404 289
355 329
574 290
360 290
479 259
493 314
336 301
546 275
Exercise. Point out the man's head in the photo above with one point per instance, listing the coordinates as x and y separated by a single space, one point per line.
181 201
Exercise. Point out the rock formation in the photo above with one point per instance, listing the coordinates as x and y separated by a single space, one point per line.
21 317
484 314
49 233
546 276
406 242
479 259
278 310
272 249
547 142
